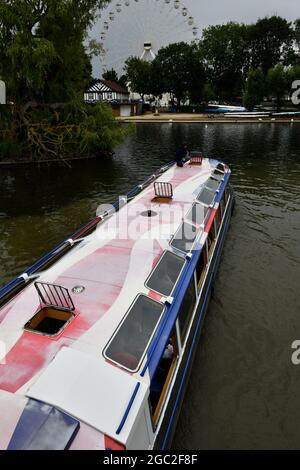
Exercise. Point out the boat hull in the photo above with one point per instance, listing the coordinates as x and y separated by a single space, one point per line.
167 429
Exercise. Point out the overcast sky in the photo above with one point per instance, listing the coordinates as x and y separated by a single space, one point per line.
140 22
208 12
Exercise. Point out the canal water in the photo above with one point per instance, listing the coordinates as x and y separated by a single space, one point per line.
244 390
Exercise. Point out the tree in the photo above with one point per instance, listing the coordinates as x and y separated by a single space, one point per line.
256 88
138 73
47 68
208 92
297 39
111 75
278 84
227 56
180 70
42 53
270 42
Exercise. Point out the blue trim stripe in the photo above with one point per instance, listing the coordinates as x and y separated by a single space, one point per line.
194 342
164 331
128 408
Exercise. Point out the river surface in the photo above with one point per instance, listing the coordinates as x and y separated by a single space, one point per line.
244 392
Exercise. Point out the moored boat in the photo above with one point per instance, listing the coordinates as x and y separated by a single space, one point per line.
100 334
224 109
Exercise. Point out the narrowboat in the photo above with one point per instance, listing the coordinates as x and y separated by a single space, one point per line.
98 337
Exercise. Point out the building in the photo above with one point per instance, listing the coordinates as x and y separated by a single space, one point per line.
112 93
108 91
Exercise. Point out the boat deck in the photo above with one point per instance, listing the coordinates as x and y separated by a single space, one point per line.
107 270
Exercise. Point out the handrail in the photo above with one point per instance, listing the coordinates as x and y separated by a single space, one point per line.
6 292
136 389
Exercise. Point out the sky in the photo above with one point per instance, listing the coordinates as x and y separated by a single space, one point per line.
141 23
208 12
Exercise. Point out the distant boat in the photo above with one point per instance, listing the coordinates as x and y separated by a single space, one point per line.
261 114
223 108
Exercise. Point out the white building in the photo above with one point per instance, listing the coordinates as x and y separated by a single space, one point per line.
108 91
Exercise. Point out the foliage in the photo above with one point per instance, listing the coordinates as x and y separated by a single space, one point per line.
111 75
277 80
226 52
64 131
181 71
256 88
270 40
47 68
230 61
138 73
297 39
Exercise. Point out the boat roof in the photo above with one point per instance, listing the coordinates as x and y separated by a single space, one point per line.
106 275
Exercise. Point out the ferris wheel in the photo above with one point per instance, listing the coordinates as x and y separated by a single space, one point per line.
140 28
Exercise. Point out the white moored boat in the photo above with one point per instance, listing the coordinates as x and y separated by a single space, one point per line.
99 335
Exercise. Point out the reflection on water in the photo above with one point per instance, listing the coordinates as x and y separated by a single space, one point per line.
243 391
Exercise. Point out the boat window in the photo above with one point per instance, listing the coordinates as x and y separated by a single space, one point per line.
220 167
206 196
222 205
212 184
162 378
130 342
218 220
218 175
197 214
49 321
200 268
211 238
164 277
218 172
187 309
185 237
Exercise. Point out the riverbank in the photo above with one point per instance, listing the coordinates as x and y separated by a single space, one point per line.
202 118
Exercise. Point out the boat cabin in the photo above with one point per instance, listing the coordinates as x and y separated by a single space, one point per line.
100 333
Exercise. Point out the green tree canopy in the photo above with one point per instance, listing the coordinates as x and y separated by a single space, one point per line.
47 68
111 75
42 54
270 41
138 73
278 83
226 52
256 88
180 70
297 39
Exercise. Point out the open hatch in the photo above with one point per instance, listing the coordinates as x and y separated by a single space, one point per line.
56 309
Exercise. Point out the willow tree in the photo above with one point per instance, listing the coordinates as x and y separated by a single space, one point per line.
46 65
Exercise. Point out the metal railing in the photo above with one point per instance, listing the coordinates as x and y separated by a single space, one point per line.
52 295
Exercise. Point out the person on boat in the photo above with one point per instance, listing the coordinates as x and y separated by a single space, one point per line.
181 154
